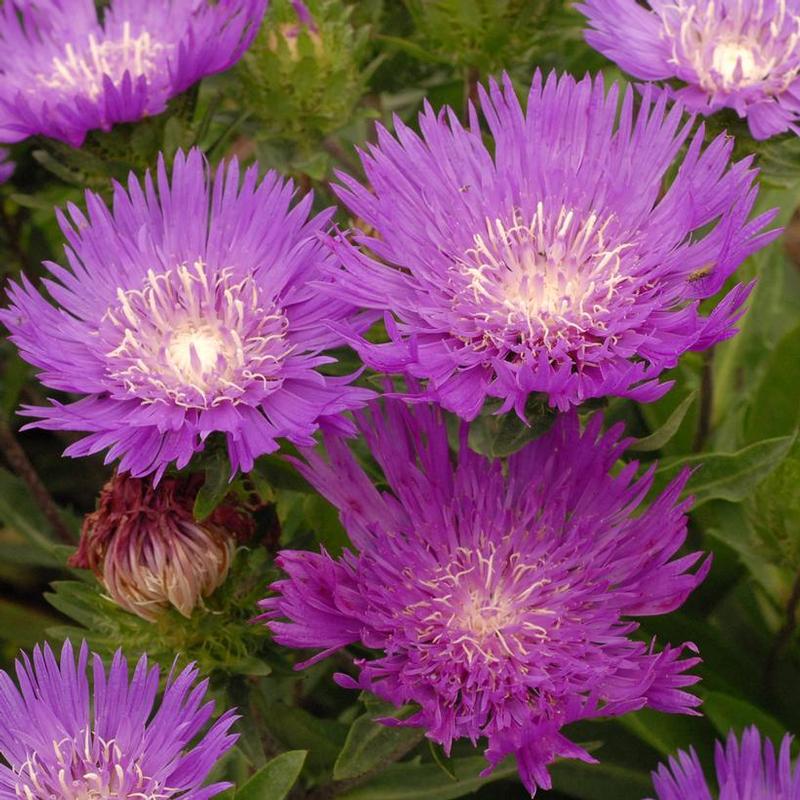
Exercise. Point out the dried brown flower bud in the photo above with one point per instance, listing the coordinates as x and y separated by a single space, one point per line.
145 547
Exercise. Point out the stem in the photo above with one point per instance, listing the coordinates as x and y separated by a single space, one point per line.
784 634
706 401
335 149
10 226
472 80
22 466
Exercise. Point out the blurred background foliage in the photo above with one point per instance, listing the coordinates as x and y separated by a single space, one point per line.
303 98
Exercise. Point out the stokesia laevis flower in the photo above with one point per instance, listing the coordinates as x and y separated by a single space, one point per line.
560 264
189 308
498 597
739 54
145 546
57 742
747 771
64 72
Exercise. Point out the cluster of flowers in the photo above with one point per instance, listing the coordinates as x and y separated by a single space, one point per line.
500 598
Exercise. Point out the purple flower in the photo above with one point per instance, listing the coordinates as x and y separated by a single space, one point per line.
189 308
57 742
750 771
500 596
739 54
560 264
65 73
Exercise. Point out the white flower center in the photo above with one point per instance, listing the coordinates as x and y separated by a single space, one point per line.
485 616
82 70
194 351
483 604
737 63
85 768
196 338
530 283
725 45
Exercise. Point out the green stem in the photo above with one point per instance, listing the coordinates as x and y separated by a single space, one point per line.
20 463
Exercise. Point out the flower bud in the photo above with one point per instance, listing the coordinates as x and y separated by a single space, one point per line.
147 550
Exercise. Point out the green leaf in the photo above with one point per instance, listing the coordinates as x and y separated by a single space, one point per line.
657 439
278 472
775 408
216 486
663 732
732 713
298 729
370 745
773 310
22 624
441 760
600 781
19 511
275 779
415 781
411 48
726 476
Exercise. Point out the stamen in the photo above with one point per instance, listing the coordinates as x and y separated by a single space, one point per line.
550 279
86 769
480 606
82 70
195 338
735 45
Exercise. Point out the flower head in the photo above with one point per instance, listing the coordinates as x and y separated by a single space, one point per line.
747 771
65 72
559 264
56 742
188 308
145 546
499 597
739 54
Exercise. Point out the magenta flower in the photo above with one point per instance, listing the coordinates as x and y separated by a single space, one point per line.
189 308
65 73
739 54
56 742
499 597
559 264
750 771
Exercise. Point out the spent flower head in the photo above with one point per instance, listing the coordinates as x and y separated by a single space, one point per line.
66 72
188 308
750 770
560 262
739 54
500 598
149 552
59 739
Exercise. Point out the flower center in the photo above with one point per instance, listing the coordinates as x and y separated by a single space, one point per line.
737 63
193 352
482 605
540 282
484 616
87 768
195 339
82 70
733 44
